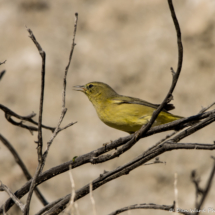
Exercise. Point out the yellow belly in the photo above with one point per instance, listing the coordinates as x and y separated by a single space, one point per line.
131 117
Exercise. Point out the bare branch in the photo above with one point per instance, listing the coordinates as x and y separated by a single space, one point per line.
70 58
49 206
152 206
2 73
9 113
177 138
195 179
43 56
207 188
42 157
10 193
3 63
144 129
65 127
192 129
40 139
23 167
28 118
120 171
64 109
206 108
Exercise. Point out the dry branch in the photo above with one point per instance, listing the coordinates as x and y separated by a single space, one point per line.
168 98
64 109
23 167
151 206
207 188
2 73
124 170
3 62
10 193
42 157
40 138
145 157
9 113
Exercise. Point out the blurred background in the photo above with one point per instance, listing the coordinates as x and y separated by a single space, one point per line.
129 45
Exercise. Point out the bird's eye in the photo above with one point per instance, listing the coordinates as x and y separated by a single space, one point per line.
90 86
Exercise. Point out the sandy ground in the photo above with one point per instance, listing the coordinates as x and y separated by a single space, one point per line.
129 45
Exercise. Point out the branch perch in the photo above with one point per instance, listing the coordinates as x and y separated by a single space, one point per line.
145 157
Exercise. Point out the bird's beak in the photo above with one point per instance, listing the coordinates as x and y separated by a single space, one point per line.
79 88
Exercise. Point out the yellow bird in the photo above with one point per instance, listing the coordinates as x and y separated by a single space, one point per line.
122 112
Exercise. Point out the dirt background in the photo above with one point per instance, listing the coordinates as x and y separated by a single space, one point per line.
129 45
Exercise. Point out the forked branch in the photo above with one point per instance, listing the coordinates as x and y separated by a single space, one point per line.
23 167
42 157
40 138
9 113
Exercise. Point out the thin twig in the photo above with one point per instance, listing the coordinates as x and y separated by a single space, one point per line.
28 118
23 167
43 56
2 73
3 62
64 109
144 129
195 179
40 138
65 127
206 190
206 108
42 157
70 57
165 138
10 193
192 129
161 141
152 206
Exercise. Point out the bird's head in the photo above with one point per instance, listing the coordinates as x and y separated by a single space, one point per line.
96 91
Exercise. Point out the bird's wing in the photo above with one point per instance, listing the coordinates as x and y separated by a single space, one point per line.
131 100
